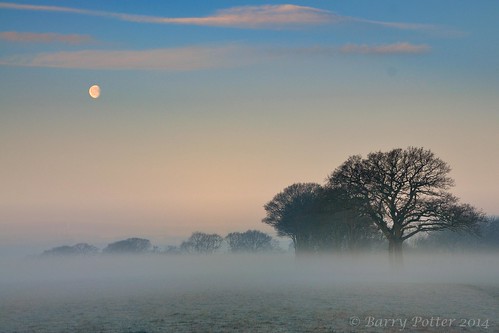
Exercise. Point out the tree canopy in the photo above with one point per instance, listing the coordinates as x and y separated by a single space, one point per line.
201 243
251 241
129 246
80 249
293 211
316 219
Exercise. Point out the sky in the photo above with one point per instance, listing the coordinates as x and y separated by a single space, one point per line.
210 108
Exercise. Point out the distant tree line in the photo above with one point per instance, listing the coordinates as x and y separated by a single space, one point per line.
251 241
390 196
78 249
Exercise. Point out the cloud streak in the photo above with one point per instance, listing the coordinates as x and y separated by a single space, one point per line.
386 49
252 17
196 57
172 59
13 36
400 48
266 16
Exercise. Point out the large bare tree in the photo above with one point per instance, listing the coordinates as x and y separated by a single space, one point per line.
404 192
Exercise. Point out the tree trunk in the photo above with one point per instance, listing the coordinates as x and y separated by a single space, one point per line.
395 252
301 247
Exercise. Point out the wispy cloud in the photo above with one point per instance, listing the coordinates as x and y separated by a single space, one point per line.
396 48
400 48
399 25
267 16
254 17
433 29
13 36
174 59
242 17
196 57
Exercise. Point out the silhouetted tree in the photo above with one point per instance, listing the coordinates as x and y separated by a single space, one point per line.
346 227
78 249
250 241
354 231
293 211
129 246
200 242
403 192
316 219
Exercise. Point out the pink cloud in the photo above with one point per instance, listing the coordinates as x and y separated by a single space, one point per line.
248 17
265 16
13 36
243 17
397 48
174 59
194 57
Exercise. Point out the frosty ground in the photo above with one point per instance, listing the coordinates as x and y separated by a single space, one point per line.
237 293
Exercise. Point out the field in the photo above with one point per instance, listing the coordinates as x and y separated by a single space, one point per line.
250 294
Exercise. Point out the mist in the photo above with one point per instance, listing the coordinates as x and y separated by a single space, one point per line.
231 292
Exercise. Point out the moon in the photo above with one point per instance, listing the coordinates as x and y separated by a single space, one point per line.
94 91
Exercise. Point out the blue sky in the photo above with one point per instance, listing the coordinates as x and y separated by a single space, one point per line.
209 108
